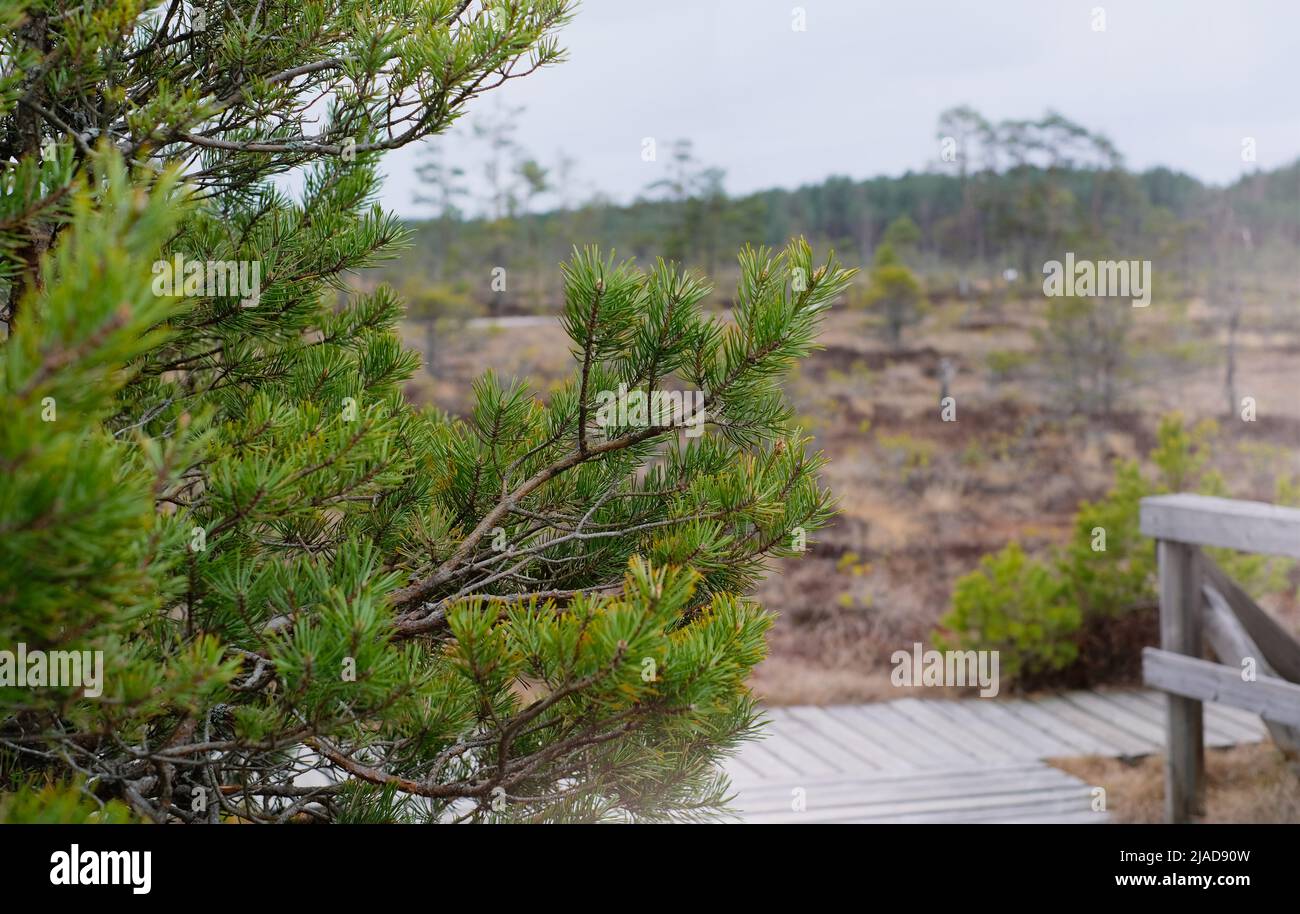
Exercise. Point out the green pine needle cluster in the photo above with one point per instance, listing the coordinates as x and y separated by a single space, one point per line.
313 601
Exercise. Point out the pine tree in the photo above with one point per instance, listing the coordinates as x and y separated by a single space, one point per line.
312 600
895 292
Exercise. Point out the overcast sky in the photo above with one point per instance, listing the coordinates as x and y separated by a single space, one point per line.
858 92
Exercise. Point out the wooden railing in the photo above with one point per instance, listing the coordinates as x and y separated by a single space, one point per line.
1259 663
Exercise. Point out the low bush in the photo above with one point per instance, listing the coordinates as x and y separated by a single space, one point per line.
1082 614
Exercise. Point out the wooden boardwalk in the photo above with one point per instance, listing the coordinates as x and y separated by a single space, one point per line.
970 760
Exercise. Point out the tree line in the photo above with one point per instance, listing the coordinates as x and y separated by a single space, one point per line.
1008 195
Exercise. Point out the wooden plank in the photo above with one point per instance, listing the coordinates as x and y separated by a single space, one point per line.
891 780
822 745
965 770
827 795
768 766
1275 643
1072 796
1251 726
1024 740
859 745
1048 805
1241 725
1001 715
921 747
1056 799
1248 727
1070 818
958 786
1233 646
1220 729
964 734
1151 733
1119 742
1076 741
796 755
1179 572
1267 696
861 719
1203 520
787 740
738 768
1028 791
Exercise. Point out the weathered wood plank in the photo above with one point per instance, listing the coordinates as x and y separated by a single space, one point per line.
1151 733
739 768
1023 740
1267 696
923 748
880 756
963 734
1047 805
1120 742
937 776
989 774
1072 797
789 742
859 719
1203 520
796 754
1075 741
1090 817
1275 643
822 745
1180 632
1247 727
767 765
1221 729
1233 646
957 787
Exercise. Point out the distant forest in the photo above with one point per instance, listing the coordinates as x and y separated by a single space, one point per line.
1001 197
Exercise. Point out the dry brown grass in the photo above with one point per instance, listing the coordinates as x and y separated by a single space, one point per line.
1244 784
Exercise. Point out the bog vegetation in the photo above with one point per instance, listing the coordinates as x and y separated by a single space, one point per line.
961 280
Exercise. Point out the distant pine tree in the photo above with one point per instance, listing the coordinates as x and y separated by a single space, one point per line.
210 474
895 292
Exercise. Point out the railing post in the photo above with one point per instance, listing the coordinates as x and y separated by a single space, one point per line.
1180 632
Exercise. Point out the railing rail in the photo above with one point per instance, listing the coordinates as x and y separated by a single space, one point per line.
1192 605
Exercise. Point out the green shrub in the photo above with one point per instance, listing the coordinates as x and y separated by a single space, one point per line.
1041 613
1017 606
1120 575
